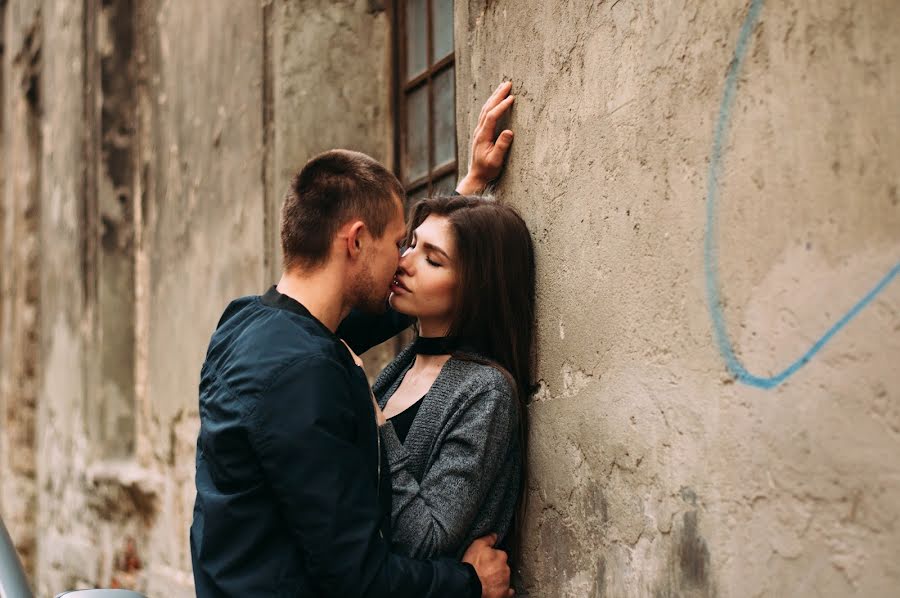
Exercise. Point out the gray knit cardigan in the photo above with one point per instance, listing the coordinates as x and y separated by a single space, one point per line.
457 476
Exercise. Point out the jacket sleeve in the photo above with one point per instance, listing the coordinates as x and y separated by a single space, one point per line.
303 428
434 517
362 331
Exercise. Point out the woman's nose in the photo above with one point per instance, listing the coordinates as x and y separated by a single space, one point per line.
404 263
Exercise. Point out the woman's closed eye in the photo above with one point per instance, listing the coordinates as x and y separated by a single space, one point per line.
428 250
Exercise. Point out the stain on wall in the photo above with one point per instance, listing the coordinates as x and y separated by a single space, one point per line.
20 310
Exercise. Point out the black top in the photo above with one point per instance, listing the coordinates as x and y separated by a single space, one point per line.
289 496
403 420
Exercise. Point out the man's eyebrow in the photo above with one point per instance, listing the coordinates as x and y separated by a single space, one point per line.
435 248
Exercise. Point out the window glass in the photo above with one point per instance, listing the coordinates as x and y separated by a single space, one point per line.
417 134
442 18
445 185
426 96
444 117
417 194
416 37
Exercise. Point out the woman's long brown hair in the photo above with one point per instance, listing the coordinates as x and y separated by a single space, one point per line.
495 297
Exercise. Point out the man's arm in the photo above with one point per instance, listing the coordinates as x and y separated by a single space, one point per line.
302 429
362 331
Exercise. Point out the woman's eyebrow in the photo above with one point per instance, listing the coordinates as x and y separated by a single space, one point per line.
435 248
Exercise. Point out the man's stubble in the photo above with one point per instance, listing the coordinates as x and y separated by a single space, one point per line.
367 295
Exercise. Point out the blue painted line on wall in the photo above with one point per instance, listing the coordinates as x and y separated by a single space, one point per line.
710 253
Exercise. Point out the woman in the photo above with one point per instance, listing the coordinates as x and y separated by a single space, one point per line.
454 418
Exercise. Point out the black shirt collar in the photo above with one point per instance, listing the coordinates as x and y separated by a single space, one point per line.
272 298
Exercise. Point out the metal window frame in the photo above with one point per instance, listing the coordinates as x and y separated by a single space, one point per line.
402 87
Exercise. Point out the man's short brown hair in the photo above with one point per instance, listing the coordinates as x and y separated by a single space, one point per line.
331 189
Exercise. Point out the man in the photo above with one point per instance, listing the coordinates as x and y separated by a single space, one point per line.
293 491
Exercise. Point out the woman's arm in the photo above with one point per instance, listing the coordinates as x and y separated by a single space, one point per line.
435 517
488 153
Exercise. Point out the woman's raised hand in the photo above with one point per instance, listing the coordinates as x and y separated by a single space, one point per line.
488 153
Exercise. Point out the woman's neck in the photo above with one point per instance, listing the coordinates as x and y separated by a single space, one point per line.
433 329
424 363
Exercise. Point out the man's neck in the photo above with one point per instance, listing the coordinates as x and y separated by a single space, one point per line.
320 291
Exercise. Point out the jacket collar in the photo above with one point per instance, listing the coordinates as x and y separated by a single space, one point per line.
272 298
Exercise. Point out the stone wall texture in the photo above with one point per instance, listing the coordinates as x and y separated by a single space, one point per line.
653 470
713 193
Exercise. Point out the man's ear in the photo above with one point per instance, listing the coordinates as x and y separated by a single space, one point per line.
355 238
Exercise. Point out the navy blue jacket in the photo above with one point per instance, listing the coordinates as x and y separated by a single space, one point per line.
293 488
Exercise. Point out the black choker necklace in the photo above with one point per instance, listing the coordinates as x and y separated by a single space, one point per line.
435 345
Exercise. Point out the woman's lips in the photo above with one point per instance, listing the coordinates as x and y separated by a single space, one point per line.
396 285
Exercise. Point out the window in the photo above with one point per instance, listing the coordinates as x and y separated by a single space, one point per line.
426 96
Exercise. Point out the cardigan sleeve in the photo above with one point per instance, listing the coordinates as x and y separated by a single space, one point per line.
434 517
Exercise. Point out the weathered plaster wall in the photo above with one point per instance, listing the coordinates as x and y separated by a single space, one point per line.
146 147
20 152
64 530
202 237
654 472
330 87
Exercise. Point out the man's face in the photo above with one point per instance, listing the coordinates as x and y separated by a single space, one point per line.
373 285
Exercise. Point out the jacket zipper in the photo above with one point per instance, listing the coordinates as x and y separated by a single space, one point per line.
378 478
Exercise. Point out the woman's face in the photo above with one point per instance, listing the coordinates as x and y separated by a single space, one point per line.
426 279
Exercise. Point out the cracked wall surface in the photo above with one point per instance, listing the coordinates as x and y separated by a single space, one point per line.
654 471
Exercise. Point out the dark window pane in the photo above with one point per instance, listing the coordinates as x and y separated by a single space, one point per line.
415 195
445 185
444 117
416 38
416 159
442 18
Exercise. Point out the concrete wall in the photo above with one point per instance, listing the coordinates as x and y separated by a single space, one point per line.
146 146
20 152
330 87
654 470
